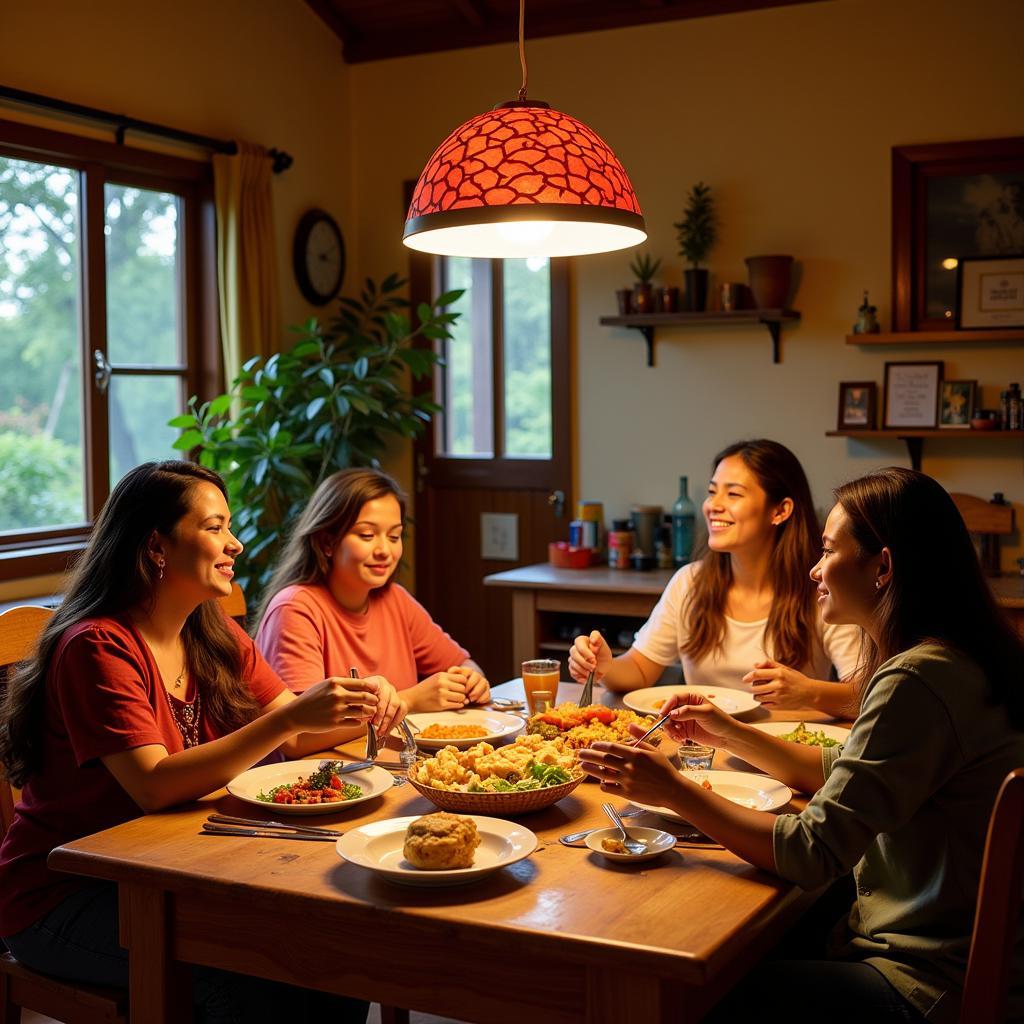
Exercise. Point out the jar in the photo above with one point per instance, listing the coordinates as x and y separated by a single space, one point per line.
1004 410
620 544
1015 409
663 544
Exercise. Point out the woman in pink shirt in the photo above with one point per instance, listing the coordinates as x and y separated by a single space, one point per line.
333 605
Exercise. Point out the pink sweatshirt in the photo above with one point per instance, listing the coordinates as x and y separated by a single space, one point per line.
307 636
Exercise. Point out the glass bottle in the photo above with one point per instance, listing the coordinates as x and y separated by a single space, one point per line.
684 514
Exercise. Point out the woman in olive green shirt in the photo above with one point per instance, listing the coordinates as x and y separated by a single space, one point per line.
905 802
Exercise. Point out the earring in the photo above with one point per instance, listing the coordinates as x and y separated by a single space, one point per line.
160 566
878 584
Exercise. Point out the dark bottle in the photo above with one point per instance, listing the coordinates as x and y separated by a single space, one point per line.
684 514
1015 409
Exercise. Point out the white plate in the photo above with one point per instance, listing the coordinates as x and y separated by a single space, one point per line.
746 788
265 777
732 702
378 847
658 842
833 732
497 725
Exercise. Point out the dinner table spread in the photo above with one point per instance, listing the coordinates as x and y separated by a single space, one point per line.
564 934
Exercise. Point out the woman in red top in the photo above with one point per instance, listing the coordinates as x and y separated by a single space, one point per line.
142 695
333 602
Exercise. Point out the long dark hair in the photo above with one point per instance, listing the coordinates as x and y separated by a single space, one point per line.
113 575
791 632
937 591
331 513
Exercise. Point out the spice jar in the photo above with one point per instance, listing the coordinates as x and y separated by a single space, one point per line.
620 544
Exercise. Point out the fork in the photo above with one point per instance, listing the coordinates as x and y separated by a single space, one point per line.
633 846
574 837
228 819
213 829
371 733
654 728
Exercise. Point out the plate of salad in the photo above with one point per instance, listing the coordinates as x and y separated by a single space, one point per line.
304 787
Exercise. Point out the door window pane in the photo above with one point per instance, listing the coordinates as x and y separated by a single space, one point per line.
527 348
139 410
468 420
143 315
41 459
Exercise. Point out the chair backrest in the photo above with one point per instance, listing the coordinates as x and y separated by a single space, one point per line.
998 912
982 516
19 631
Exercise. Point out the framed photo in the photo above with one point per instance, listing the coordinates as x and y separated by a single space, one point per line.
912 394
857 402
991 292
950 201
956 404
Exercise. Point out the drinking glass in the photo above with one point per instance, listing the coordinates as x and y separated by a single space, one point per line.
539 675
694 757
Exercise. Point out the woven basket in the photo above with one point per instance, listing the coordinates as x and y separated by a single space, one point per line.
497 804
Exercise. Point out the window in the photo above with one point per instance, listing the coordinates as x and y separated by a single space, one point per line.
504 379
103 286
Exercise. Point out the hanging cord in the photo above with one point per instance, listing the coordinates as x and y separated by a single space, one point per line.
522 49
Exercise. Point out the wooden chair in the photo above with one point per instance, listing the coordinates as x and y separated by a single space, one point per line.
989 522
21 988
998 913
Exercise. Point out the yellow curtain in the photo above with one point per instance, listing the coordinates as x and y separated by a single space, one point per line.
246 256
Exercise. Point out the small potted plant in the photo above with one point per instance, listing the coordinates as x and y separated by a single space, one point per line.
644 268
697 232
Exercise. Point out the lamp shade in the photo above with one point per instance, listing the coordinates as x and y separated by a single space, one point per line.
523 180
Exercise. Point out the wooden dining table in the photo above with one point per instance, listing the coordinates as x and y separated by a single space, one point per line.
563 936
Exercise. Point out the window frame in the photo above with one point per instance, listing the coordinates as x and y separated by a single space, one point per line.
50 549
497 469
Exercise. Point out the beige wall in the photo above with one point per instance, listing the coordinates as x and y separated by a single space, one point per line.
790 115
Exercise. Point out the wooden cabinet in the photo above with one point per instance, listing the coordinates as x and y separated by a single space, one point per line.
551 606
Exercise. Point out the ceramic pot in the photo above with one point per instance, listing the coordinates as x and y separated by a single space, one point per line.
770 280
696 297
668 299
625 297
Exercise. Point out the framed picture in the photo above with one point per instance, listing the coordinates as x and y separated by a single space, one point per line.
950 201
912 394
857 401
956 404
990 292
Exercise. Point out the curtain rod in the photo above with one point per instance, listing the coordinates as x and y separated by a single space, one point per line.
123 123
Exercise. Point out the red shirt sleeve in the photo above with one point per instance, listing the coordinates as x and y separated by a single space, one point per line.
433 649
104 690
263 682
291 638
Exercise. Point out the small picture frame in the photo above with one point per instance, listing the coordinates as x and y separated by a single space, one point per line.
857 403
956 404
912 394
990 293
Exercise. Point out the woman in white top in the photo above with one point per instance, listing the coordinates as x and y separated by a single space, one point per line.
744 615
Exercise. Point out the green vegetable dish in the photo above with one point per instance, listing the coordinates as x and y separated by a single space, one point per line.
540 776
801 734
322 787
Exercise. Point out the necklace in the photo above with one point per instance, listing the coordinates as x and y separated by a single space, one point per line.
181 675
186 718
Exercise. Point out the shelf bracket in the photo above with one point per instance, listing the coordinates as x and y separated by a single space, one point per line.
775 330
648 332
915 447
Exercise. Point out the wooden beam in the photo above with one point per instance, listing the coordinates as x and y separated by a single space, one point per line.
470 10
331 16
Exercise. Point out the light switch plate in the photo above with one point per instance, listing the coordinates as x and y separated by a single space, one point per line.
499 536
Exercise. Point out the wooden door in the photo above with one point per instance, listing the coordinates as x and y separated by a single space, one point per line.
501 446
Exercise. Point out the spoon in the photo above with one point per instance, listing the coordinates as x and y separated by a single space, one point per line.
632 846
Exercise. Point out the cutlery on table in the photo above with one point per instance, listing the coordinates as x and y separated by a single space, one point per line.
213 829
654 728
575 837
228 819
587 694
633 846
343 767
507 703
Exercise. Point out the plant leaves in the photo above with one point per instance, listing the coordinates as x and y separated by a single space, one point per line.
315 406
190 439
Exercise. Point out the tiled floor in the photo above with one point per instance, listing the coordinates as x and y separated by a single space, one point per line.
373 1018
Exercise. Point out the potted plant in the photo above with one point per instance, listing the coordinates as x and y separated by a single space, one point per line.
697 233
644 268
334 399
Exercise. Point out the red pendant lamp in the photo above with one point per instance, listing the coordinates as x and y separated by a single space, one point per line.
523 180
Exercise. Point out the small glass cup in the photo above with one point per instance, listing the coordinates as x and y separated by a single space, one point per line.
540 675
540 701
694 757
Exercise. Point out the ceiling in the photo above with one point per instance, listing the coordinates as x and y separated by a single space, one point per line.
377 29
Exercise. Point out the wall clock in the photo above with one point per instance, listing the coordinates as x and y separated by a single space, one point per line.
318 257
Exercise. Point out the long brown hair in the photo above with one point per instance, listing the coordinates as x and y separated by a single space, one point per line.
792 631
937 591
331 513
114 574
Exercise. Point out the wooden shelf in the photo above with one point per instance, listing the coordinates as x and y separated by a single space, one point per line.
914 438
953 337
647 323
